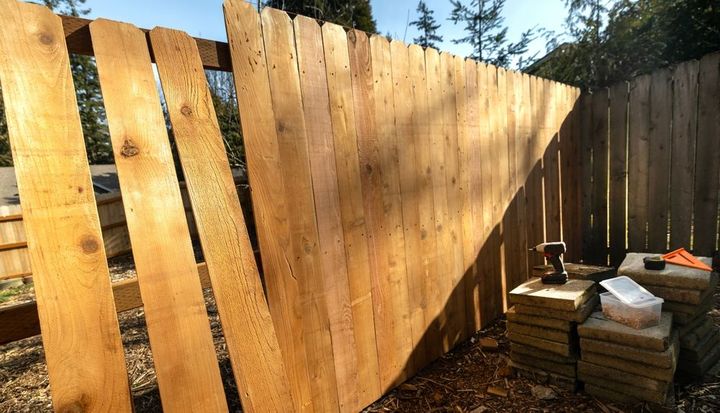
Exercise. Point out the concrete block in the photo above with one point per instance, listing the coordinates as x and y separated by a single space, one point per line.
656 338
547 345
690 309
683 295
660 359
577 316
703 346
540 332
691 324
567 370
567 297
541 354
633 367
586 370
580 272
544 377
685 318
701 367
554 323
623 393
672 276
693 337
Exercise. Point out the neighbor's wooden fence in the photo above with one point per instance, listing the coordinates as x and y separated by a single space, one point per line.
396 191
651 163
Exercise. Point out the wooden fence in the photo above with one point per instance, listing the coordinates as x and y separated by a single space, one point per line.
651 163
396 191
392 189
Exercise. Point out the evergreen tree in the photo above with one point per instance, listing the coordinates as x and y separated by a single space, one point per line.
486 32
5 157
224 99
427 26
349 13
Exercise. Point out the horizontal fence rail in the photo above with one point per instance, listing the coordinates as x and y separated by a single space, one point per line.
651 163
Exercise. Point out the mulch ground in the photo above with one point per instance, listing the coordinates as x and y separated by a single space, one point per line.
463 380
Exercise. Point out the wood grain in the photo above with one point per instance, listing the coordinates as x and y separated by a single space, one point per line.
302 252
247 326
598 248
269 199
342 112
178 328
707 167
659 160
77 316
617 142
638 152
684 132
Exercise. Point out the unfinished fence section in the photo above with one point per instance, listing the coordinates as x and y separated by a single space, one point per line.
396 191
651 163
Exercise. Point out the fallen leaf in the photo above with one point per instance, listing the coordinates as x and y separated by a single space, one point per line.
543 393
408 387
480 409
497 391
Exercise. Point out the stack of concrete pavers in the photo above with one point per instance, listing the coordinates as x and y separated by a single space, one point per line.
689 295
628 365
580 272
542 328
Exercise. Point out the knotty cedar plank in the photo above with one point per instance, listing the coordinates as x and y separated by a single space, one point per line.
471 180
617 142
409 176
522 136
638 152
533 192
316 108
551 166
183 351
659 163
342 114
465 227
270 204
428 252
509 221
495 280
708 152
82 343
598 252
456 292
500 138
576 179
337 62
305 263
684 128
246 322
370 75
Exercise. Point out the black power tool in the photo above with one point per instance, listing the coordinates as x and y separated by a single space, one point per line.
552 252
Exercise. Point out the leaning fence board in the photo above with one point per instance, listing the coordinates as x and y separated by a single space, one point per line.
707 167
303 247
684 128
269 197
246 323
638 152
659 159
316 105
337 61
426 168
617 142
187 369
82 344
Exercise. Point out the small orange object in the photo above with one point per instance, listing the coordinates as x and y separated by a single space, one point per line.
682 257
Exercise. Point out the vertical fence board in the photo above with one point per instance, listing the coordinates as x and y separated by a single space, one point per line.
533 191
570 168
598 248
551 168
325 191
707 166
618 171
337 62
269 194
638 152
684 128
659 159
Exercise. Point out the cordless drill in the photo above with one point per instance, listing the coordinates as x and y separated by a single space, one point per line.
552 252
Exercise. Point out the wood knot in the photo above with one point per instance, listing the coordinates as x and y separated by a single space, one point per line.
185 110
423 234
89 244
46 38
352 36
77 406
129 149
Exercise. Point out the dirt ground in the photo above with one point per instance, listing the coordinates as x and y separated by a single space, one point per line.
457 382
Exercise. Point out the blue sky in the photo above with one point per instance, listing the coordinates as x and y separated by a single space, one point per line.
205 19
